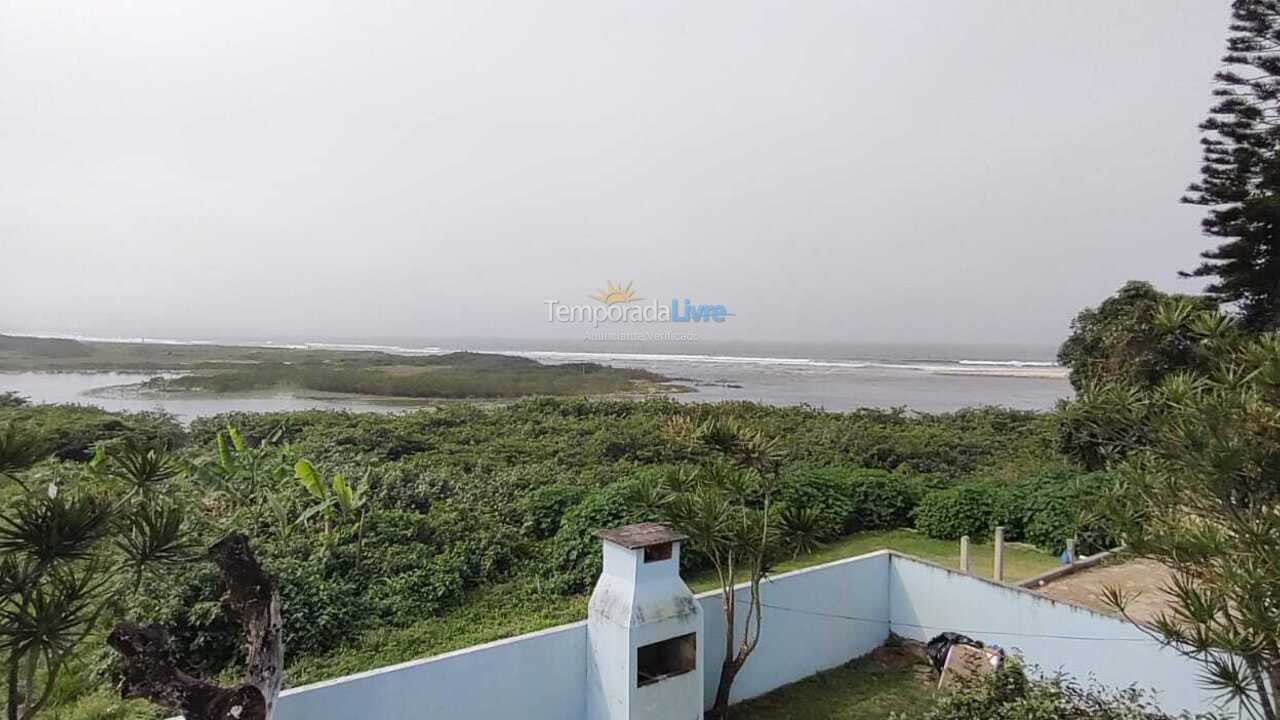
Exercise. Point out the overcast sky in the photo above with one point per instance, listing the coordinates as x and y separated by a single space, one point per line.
828 170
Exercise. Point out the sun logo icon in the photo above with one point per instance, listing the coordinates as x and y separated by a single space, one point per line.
615 293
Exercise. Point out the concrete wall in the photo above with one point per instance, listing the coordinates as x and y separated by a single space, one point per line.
817 619
538 676
926 599
795 644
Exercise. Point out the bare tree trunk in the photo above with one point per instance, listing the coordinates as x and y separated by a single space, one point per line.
151 672
728 672
253 602
1260 681
11 702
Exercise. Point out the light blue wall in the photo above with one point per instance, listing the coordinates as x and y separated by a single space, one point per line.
795 645
536 677
819 618
542 676
927 599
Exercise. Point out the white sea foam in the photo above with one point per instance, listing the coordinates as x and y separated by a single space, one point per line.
977 367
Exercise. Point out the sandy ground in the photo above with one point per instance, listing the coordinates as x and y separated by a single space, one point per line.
1143 577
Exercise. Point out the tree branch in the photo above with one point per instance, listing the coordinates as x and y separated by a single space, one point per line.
252 601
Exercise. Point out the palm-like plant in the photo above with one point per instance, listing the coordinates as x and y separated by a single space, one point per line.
1197 491
726 508
62 555
802 528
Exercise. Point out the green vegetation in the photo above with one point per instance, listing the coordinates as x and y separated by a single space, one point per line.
1012 693
1239 185
1044 509
1126 337
1194 460
726 505
455 375
467 523
226 369
897 684
71 558
871 688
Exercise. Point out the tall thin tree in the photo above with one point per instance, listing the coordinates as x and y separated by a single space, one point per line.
1240 176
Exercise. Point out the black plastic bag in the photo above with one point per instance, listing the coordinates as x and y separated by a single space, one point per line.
938 647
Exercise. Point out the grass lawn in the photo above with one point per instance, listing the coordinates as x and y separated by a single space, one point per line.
1020 561
888 680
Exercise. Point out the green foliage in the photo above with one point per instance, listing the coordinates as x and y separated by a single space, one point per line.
1200 497
20 448
462 497
1046 508
72 432
573 556
65 556
1052 506
1137 336
801 529
849 499
1137 341
1239 184
962 510
543 508
825 496
1011 694
454 375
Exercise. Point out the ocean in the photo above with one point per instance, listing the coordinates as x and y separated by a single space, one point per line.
925 377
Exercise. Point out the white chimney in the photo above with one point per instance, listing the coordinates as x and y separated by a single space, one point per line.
644 630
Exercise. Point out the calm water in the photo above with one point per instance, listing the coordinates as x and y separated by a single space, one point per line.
927 378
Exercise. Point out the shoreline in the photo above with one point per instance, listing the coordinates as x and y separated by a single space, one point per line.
977 367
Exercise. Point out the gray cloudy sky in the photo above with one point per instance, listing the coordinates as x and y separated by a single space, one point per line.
829 170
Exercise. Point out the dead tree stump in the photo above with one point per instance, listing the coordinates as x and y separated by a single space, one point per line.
252 601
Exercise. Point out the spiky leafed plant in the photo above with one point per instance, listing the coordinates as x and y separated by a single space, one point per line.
1197 488
64 553
801 528
19 449
726 508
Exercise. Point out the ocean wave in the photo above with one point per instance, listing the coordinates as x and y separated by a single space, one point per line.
1010 363
1010 368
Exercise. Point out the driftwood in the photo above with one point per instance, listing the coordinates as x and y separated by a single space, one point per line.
252 602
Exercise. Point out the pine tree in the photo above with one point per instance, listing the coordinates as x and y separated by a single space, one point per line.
1240 177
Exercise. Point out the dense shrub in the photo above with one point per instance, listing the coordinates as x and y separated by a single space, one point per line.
826 496
1045 509
543 508
852 499
573 557
462 495
884 501
953 512
70 432
1011 694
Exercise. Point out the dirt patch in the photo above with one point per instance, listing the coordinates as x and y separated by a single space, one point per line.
1140 579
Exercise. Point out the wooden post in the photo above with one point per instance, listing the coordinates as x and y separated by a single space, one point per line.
1071 551
965 567
999 568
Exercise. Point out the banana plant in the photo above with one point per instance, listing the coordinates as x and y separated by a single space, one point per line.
336 500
